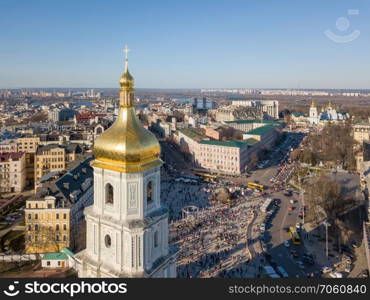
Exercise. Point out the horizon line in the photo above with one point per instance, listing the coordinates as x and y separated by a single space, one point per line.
215 88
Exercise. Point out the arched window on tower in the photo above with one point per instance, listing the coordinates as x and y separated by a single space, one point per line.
156 239
149 192
108 194
99 130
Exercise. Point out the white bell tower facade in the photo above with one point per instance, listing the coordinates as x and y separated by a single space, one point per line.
126 227
313 114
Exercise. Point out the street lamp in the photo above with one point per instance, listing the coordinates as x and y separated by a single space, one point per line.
326 224
303 208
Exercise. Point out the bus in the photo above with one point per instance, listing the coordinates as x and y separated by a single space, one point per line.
206 176
255 186
295 236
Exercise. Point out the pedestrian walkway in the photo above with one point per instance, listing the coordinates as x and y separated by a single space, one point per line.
315 247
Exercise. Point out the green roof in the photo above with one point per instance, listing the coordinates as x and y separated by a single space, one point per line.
192 133
250 122
261 130
68 252
234 143
251 141
55 256
242 121
298 114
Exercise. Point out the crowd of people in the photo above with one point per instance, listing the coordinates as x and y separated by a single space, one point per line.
211 243
212 240
177 195
284 174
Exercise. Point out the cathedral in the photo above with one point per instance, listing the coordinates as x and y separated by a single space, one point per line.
126 227
328 114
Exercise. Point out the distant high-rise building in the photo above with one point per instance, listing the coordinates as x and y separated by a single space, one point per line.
64 114
203 103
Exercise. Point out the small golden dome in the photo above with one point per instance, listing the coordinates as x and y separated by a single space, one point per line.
126 80
127 146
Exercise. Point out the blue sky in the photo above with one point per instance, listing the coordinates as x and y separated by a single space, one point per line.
183 44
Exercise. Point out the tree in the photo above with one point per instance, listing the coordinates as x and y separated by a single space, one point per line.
253 161
333 145
326 200
43 239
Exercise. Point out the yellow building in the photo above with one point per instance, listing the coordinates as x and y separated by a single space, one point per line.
28 144
361 132
47 226
54 158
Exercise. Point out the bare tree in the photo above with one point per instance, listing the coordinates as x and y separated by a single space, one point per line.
325 199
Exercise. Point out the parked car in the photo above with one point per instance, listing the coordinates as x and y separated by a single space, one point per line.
294 253
325 270
282 272
364 274
300 264
308 260
336 275
277 201
348 268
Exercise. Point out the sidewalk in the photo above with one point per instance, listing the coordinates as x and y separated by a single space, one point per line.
315 247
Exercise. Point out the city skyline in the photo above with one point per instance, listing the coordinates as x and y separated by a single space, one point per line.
184 45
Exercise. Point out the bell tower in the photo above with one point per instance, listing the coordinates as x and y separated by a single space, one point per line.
127 228
313 114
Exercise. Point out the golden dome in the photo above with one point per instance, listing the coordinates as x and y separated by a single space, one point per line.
126 80
127 146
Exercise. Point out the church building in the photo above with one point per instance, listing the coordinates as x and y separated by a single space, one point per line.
327 114
126 227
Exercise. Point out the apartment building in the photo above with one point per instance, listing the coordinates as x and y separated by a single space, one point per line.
29 144
12 172
267 135
361 132
230 157
54 158
8 146
47 225
226 156
54 215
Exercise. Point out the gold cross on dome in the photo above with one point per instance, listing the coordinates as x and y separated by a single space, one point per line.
126 51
